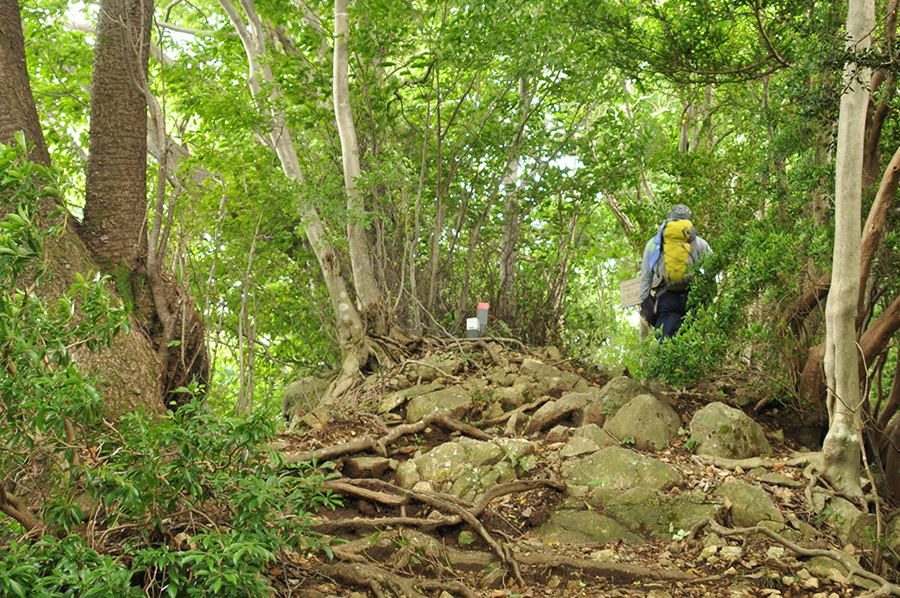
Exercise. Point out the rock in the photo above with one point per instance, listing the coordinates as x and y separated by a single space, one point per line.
724 431
521 392
596 434
584 527
853 525
611 471
435 366
646 419
730 553
453 401
493 411
569 407
466 467
750 504
558 434
655 516
365 467
394 400
611 398
302 396
579 445
550 378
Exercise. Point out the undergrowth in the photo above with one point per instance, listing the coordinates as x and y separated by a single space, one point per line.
186 504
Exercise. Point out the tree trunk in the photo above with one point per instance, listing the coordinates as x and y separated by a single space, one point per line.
842 447
367 291
17 109
116 180
128 370
512 216
351 330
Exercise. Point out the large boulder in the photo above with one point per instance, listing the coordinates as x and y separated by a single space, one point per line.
611 471
467 467
612 397
454 401
657 516
750 505
650 422
723 431
585 527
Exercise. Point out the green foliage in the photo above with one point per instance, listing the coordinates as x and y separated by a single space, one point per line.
202 507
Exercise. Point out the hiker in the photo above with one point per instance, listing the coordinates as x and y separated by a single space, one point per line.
665 270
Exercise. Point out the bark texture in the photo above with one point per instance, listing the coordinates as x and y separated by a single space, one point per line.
128 369
116 186
17 109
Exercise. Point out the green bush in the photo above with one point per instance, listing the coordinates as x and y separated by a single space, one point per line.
187 504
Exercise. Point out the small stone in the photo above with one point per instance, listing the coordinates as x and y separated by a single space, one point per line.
607 555
788 580
708 552
446 594
423 486
775 553
803 574
559 434
730 552
738 470
811 584
554 582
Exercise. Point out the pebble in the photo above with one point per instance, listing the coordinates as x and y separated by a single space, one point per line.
775 553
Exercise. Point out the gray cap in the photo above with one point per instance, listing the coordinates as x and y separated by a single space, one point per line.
680 212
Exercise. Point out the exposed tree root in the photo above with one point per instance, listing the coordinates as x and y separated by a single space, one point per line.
886 588
18 510
379 445
518 410
803 459
618 572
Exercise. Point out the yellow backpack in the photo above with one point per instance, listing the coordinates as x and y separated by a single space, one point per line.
677 237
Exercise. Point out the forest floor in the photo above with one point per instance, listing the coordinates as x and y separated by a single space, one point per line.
402 544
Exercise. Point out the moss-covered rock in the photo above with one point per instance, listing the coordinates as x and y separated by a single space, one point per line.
650 422
723 431
454 401
750 504
656 516
611 471
583 527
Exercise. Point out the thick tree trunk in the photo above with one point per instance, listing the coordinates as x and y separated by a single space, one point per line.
17 109
842 447
116 183
127 370
370 297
